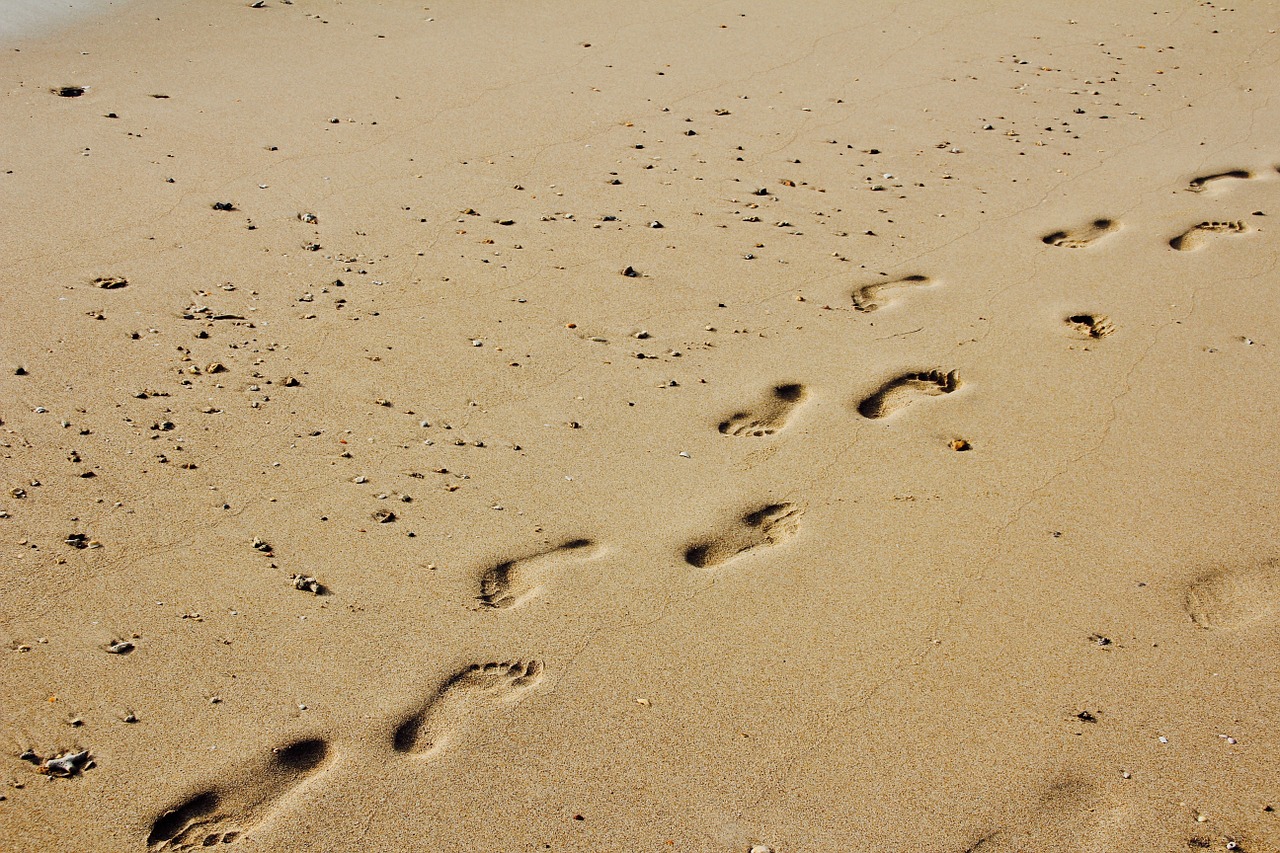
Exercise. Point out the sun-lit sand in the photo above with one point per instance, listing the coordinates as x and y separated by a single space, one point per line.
640 427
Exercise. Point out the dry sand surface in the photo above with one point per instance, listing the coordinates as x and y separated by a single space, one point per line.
578 426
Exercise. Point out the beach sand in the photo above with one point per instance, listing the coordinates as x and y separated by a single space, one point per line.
667 426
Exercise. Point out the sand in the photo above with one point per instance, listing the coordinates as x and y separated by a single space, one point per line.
666 426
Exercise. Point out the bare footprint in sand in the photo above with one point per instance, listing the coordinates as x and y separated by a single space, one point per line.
1069 815
901 391
1196 236
1079 238
230 810
769 415
1234 597
872 297
461 699
1089 326
769 525
515 582
1203 182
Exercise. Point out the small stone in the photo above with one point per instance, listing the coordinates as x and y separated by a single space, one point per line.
119 647
306 583
384 516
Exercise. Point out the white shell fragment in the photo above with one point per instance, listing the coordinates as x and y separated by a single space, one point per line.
67 764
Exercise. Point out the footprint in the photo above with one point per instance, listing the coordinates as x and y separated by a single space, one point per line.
229 811
1080 237
1090 325
1232 598
456 703
769 416
1193 237
867 298
900 392
1069 814
515 582
1201 183
769 525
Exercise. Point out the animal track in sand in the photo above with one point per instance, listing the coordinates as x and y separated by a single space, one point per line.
228 812
1234 597
1202 183
769 525
516 581
461 698
769 415
1193 237
899 392
868 297
1092 326
1079 238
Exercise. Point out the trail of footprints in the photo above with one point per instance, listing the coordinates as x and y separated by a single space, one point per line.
1192 238
249 797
